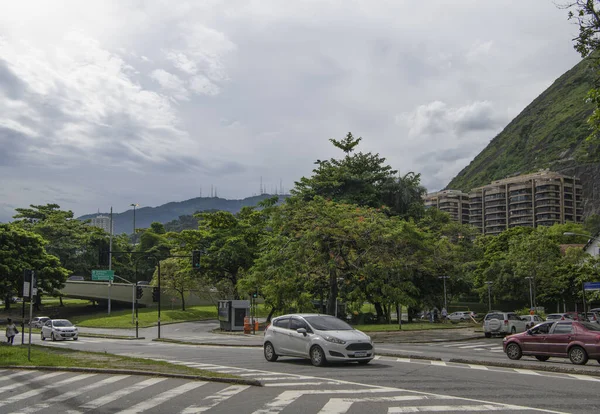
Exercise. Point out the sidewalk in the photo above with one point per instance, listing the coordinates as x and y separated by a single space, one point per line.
206 332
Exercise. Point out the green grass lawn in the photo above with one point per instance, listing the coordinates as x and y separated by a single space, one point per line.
64 357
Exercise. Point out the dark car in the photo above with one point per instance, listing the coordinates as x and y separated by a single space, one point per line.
575 340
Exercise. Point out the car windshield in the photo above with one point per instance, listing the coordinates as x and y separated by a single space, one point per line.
554 317
328 323
494 316
62 323
591 326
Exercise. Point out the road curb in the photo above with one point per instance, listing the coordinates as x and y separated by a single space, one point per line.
176 341
534 366
241 381
407 356
125 338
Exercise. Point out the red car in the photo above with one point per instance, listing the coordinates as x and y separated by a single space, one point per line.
578 341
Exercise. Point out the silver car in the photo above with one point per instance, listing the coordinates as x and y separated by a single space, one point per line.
39 321
321 338
59 329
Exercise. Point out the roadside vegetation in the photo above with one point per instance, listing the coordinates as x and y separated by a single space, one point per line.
356 231
64 357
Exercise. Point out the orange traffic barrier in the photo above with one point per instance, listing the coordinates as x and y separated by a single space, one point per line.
247 326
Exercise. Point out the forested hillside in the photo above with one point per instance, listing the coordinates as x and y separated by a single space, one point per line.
549 133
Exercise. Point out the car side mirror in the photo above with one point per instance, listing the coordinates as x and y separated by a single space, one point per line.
301 331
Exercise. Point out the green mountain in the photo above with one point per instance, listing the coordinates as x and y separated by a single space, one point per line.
549 133
177 211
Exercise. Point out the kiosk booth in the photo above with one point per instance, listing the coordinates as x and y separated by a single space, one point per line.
232 314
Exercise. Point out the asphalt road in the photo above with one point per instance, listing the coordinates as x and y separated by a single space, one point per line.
388 384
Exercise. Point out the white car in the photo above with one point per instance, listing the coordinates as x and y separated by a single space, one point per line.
59 329
502 323
321 338
456 317
531 320
39 321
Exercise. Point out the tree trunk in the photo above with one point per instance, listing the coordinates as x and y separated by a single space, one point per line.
333 291
61 302
182 301
271 312
378 310
399 313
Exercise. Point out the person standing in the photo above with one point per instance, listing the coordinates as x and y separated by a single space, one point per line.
11 331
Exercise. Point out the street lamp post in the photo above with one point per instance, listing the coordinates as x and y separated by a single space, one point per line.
530 290
489 285
134 206
445 297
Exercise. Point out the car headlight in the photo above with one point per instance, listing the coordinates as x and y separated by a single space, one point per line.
334 340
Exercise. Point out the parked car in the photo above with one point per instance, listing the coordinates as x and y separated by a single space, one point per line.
576 316
557 316
593 317
321 338
575 340
38 321
76 278
502 323
59 329
531 320
456 317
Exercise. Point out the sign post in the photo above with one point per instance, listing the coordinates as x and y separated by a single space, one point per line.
31 294
108 275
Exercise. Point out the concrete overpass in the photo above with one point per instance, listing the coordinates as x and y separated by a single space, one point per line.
125 293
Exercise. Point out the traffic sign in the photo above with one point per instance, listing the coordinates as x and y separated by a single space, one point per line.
103 275
591 286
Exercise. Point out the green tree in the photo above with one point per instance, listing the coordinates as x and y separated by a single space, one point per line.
21 250
176 274
364 180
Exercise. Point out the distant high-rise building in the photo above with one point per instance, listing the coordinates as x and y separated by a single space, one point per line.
453 202
539 199
101 221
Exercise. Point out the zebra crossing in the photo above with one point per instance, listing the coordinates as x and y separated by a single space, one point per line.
471 346
26 392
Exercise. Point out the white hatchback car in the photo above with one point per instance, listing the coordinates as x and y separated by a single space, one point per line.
39 321
321 338
59 329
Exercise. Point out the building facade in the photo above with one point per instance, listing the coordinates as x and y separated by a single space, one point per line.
103 222
539 199
453 202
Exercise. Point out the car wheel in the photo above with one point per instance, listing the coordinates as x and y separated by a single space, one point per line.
52 336
598 360
578 356
42 336
513 330
462 319
513 351
488 334
269 352
317 356
364 362
76 338
542 358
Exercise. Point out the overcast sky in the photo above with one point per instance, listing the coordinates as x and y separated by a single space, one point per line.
108 103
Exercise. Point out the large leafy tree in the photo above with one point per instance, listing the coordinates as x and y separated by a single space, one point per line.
75 243
323 249
586 13
362 179
21 249
176 274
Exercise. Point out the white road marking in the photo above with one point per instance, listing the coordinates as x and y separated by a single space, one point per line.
215 399
342 405
403 360
438 363
16 374
377 349
298 384
445 408
482 367
471 346
107 398
287 397
70 394
31 381
526 371
40 390
162 397
583 377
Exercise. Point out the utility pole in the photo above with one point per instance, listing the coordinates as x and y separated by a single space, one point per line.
530 290
110 254
489 285
445 297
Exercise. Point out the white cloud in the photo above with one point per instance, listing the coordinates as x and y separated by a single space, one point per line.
154 100
171 84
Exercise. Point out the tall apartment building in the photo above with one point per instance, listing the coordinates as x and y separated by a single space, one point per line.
453 202
539 199
101 221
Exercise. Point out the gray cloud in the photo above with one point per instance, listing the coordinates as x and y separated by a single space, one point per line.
120 102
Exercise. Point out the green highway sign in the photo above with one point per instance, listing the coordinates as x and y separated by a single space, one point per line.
103 275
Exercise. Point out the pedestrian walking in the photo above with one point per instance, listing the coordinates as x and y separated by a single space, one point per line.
11 331
444 315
